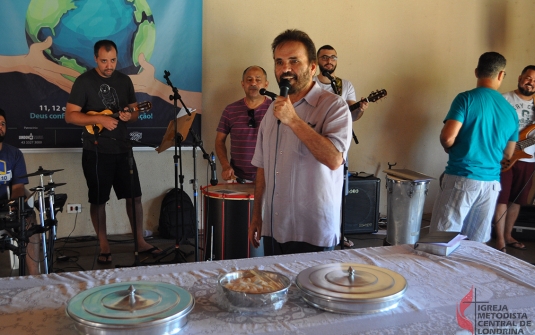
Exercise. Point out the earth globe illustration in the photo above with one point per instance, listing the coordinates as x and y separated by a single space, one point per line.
75 26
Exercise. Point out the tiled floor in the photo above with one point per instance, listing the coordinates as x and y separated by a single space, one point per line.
79 253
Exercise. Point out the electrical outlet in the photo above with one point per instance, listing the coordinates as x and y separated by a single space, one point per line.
74 208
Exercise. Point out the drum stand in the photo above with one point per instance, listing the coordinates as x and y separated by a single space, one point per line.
345 183
50 222
345 191
21 236
197 142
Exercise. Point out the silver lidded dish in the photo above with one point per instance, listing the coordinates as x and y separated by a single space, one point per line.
131 308
241 301
351 288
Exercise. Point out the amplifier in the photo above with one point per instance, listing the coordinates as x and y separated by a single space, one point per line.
362 205
524 227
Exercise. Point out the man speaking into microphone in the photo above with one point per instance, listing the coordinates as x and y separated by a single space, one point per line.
327 62
299 155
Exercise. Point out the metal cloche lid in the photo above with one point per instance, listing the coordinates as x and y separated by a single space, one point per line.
131 305
351 287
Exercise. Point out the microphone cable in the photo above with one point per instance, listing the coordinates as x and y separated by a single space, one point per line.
97 245
284 86
331 79
520 192
273 191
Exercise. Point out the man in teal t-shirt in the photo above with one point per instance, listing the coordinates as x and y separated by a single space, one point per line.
480 129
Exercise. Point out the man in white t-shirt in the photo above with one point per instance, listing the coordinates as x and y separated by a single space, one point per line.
327 62
326 79
517 180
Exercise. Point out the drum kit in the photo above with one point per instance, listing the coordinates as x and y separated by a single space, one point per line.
14 214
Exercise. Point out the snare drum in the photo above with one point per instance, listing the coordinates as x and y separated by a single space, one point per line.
228 210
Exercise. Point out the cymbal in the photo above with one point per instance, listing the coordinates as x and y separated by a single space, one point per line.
39 172
48 186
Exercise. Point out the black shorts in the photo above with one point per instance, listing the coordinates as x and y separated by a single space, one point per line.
102 171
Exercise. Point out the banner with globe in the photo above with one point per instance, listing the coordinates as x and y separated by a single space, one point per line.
46 44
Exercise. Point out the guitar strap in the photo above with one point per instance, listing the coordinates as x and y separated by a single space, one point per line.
338 83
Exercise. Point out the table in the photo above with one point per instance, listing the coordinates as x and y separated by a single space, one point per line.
503 294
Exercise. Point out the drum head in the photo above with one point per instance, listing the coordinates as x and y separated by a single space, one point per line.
230 191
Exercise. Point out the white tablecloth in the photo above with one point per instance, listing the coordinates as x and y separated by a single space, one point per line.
436 286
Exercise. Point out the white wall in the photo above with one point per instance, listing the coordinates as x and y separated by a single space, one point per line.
156 172
423 52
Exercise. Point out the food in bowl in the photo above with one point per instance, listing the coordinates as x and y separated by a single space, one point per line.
254 282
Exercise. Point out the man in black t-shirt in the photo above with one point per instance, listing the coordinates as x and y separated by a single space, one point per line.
105 158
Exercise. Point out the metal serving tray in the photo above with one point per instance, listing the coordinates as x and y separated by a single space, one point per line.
351 288
133 308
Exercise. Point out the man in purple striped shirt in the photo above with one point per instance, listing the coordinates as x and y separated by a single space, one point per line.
241 120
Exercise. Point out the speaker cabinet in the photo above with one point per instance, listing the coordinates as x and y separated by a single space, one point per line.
362 205
524 228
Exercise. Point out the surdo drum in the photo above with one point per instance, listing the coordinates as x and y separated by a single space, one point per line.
405 207
228 211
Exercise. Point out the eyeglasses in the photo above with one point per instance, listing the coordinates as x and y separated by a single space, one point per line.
326 58
252 122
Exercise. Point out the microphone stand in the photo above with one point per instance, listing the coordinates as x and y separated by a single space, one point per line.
333 85
179 255
345 170
23 239
197 142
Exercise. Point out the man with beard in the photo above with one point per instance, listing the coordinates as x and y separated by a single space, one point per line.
480 129
326 79
327 62
12 187
515 180
300 151
241 120
105 156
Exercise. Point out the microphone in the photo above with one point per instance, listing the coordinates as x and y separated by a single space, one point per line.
284 85
326 73
272 95
213 181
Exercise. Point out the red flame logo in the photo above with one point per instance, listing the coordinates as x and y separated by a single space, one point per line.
462 320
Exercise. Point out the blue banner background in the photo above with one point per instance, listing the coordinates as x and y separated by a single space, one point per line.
177 49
